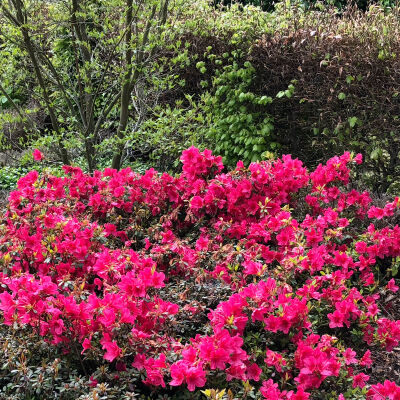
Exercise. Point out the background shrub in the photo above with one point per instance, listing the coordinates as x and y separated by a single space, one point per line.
269 5
328 83
346 92
240 126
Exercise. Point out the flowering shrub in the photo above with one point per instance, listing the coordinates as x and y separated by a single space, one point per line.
263 280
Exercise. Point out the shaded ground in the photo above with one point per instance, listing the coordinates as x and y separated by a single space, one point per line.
386 366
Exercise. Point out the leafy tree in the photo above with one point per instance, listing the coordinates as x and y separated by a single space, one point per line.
94 64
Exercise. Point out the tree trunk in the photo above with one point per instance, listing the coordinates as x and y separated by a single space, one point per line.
79 28
126 87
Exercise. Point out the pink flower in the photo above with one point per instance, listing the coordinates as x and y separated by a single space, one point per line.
119 191
336 319
37 155
194 376
196 203
366 359
358 158
178 373
392 286
93 382
57 326
360 380
112 351
349 356
253 372
8 306
85 255
86 345
376 212
387 390
271 391
299 395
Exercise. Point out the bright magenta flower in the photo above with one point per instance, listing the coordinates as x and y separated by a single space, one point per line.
37 155
112 351
360 380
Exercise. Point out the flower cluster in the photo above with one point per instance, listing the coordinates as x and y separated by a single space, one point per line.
92 262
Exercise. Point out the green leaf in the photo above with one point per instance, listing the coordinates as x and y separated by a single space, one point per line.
264 100
376 154
353 121
280 94
395 269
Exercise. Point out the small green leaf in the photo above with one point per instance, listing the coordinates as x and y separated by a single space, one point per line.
280 94
375 154
353 121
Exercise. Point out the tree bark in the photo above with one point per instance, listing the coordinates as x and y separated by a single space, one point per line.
126 87
79 28
131 77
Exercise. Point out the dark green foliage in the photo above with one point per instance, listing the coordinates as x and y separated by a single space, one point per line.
345 98
269 5
309 81
266 5
328 83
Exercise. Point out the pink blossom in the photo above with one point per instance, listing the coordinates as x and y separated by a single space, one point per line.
37 155
112 351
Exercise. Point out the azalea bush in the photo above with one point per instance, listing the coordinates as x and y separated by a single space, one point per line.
259 282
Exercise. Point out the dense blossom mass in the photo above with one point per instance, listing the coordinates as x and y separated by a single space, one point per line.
93 261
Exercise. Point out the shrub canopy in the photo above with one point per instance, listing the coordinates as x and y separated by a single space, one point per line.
269 275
